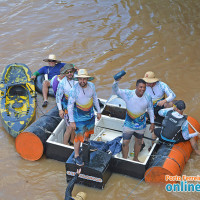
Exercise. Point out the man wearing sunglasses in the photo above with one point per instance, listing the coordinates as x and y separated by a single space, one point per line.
52 69
57 78
62 95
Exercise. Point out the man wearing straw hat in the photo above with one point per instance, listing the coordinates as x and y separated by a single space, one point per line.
62 96
137 102
157 90
81 116
175 127
49 71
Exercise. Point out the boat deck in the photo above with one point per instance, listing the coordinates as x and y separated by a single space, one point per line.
106 129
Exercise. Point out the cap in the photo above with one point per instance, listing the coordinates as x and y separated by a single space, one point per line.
180 105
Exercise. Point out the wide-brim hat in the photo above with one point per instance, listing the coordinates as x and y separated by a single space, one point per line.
82 73
149 77
66 67
80 196
51 58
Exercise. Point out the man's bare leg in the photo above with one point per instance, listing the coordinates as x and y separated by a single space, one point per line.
45 89
72 137
76 148
125 148
67 134
137 147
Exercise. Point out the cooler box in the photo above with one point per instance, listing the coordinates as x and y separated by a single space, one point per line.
94 174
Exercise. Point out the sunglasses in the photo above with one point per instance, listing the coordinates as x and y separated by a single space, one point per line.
69 72
51 61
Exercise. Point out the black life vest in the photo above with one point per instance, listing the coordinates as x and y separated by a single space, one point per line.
171 128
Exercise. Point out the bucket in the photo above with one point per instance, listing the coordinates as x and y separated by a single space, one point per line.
30 144
171 159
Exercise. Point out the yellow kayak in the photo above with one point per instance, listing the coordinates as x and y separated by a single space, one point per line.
17 98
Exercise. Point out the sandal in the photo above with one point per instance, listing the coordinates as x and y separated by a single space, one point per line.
78 161
45 104
71 143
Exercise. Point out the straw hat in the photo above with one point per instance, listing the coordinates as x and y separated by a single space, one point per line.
149 77
82 73
66 67
80 196
51 57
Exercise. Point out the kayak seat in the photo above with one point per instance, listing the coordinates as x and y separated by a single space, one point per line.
17 90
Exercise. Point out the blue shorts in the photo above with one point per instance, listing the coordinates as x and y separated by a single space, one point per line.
83 126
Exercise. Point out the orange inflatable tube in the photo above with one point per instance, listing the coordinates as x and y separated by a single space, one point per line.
171 159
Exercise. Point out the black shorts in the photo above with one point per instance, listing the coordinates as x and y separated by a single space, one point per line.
128 133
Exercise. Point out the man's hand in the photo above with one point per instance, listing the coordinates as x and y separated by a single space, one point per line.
33 77
78 171
151 128
119 79
61 114
73 125
98 116
161 103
